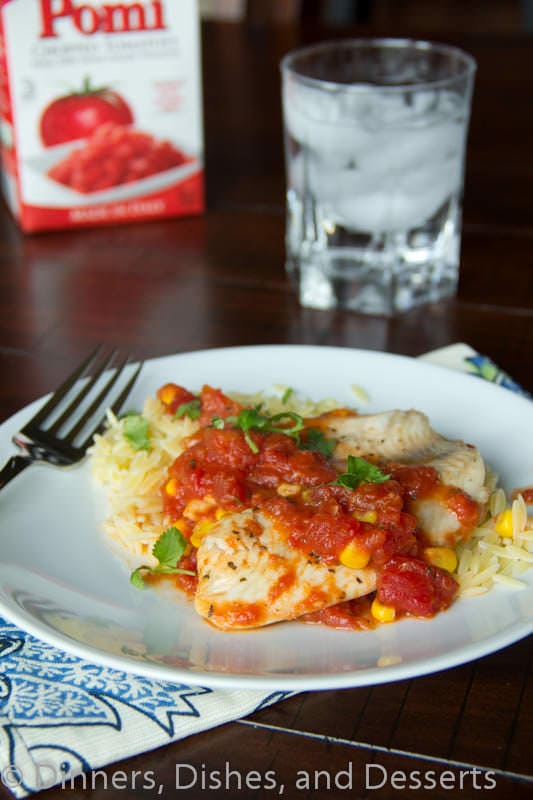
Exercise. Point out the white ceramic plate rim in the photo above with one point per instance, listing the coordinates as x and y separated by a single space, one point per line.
291 364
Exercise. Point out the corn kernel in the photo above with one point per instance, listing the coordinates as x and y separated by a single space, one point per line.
288 489
195 540
381 612
167 393
219 513
443 557
202 527
354 556
180 524
504 524
171 487
366 516
200 530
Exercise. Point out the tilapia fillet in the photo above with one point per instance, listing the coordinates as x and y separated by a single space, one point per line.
250 576
407 438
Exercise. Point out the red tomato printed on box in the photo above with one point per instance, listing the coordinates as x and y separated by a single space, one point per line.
80 114
89 140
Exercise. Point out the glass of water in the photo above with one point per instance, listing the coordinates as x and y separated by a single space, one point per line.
375 136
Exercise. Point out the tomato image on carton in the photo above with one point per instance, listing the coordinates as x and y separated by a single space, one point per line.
101 111
79 114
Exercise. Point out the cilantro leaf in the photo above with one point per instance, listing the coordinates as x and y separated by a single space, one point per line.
136 578
360 471
170 547
192 409
136 430
218 423
315 439
168 550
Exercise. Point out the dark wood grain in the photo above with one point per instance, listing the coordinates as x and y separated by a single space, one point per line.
218 280
330 769
444 715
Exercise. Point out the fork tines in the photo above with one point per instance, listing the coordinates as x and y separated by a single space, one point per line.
85 391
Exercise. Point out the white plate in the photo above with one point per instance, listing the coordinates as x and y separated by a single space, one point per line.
60 582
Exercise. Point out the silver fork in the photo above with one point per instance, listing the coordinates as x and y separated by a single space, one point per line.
40 442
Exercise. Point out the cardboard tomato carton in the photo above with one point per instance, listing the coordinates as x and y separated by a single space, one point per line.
100 112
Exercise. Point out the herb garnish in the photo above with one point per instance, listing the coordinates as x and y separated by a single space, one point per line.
315 439
360 471
250 419
286 395
136 430
168 550
192 409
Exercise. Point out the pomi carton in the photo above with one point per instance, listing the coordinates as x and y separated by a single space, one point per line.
100 111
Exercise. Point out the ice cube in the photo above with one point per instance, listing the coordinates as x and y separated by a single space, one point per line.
401 203
326 122
401 150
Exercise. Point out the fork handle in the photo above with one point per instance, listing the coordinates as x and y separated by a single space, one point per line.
13 467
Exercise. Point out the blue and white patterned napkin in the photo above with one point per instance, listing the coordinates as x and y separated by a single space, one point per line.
61 715
464 358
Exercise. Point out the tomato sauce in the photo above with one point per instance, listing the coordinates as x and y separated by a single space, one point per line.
188 582
216 404
353 615
421 482
241 614
232 469
526 492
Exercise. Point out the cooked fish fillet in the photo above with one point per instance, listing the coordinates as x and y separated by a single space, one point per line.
406 437
249 576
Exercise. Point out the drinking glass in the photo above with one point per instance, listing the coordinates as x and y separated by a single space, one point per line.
375 137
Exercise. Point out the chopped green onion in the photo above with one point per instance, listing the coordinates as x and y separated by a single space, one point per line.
286 395
251 420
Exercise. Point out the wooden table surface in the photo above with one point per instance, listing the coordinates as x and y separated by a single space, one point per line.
218 280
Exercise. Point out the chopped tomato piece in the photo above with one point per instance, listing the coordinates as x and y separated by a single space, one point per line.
173 396
216 404
416 481
280 460
414 587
